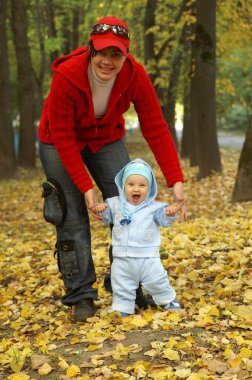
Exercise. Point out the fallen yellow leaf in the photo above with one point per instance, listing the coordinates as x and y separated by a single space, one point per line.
235 362
94 347
198 376
245 353
174 317
138 321
162 375
74 340
171 354
38 360
45 369
183 373
63 364
73 371
18 376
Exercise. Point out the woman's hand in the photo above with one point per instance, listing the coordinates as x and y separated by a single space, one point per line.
180 200
173 209
90 202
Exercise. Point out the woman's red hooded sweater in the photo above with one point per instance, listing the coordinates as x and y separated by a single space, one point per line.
68 119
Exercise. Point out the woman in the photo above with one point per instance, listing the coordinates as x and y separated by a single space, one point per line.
82 127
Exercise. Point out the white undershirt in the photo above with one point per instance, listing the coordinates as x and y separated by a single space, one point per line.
101 91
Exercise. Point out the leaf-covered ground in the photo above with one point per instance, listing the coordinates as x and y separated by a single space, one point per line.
209 264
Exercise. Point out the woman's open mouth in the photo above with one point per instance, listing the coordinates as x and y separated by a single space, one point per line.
106 70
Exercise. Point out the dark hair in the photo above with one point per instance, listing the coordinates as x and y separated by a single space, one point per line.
92 51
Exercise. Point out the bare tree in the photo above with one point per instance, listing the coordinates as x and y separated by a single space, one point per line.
243 185
25 83
7 152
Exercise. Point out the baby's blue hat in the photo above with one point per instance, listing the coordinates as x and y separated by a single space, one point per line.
137 168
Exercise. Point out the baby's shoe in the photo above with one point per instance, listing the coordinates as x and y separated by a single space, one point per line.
120 312
172 305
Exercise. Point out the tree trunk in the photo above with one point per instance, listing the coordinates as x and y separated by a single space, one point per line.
171 94
186 137
194 136
152 59
170 104
25 83
204 88
169 115
65 33
78 18
243 185
149 21
7 151
39 78
75 27
193 152
51 26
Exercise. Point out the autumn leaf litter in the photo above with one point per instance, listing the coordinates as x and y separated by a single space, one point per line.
209 264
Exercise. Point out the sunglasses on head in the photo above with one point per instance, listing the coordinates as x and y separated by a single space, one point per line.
116 29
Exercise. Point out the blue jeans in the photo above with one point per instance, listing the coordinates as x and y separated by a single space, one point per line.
73 235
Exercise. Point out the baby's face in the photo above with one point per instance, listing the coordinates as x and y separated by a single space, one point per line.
136 188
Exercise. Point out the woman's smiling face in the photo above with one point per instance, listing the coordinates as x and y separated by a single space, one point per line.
107 63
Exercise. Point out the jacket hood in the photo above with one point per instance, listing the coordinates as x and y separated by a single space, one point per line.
73 67
152 185
126 208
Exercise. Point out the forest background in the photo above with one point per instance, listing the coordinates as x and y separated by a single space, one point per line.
198 56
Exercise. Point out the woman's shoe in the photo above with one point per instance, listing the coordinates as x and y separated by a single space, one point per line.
141 300
84 309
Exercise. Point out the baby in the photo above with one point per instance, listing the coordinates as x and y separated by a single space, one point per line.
136 217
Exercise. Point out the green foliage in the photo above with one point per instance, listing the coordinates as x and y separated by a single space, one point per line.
52 44
236 119
234 36
234 72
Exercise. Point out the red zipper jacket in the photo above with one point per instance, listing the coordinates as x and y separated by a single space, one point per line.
68 119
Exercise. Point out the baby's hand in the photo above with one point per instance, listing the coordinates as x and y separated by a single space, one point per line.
100 207
171 210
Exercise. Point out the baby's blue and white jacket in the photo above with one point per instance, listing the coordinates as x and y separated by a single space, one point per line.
141 236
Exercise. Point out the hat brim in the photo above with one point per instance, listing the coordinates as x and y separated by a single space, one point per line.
104 43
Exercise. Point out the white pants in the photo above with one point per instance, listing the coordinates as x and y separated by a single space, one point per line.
128 272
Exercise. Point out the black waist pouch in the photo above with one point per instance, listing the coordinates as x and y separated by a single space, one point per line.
54 209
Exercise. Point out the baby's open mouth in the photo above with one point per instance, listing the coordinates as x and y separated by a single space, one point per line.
135 197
